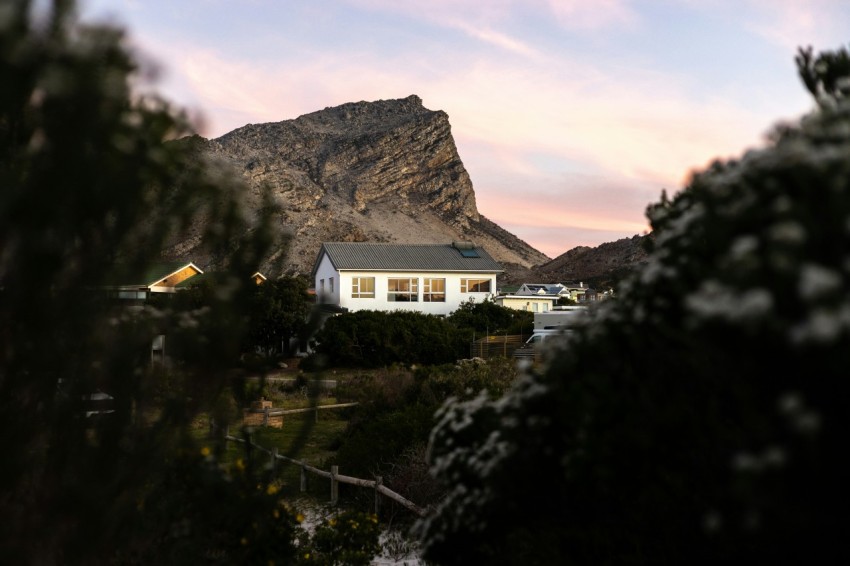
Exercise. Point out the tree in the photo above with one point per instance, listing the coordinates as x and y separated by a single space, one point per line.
487 317
698 418
279 312
91 190
827 76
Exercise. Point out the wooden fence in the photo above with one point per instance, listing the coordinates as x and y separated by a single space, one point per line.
502 346
269 416
334 476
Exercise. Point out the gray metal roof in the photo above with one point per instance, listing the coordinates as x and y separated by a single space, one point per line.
404 257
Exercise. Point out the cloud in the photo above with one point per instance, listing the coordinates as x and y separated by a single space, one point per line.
593 16
791 23
496 38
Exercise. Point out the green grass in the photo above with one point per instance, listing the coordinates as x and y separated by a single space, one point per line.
318 444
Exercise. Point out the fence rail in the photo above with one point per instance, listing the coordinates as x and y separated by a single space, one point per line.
334 476
497 346
268 412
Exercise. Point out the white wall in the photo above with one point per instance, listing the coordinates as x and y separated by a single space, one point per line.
325 272
453 295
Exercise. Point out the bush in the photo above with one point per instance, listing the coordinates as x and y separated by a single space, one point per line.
699 418
397 411
350 538
379 339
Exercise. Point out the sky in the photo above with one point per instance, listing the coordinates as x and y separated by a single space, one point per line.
570 116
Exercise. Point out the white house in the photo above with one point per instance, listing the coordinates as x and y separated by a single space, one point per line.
429 278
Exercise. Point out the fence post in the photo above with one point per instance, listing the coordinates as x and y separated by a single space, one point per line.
317 415
274 458
303 478
379 481
266 416
334 485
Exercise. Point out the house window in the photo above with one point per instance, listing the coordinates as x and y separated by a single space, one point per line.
132 295
433 290
403 290
362 287
474 285
321 285
545 307
331 284
534 307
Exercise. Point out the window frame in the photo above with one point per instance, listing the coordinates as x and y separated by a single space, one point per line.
464 284
429 295
412 293
356 288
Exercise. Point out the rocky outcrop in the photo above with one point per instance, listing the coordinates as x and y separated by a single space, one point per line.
385 171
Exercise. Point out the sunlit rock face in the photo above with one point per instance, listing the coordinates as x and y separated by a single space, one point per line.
385 171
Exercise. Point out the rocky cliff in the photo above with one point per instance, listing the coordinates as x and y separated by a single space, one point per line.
385 171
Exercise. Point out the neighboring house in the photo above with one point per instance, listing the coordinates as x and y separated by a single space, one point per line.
136 289
580 292
429 278
533 297
533 303
542 289
156 278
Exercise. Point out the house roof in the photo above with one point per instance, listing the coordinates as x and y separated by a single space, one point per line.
369 256
154 273
546 288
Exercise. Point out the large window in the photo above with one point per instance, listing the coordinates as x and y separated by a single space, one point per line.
362 287
474 285
433 290
403 290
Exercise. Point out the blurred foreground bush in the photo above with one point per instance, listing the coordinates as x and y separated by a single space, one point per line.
90 192
699 419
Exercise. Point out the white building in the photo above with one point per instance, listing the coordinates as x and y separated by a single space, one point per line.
532 303
429 278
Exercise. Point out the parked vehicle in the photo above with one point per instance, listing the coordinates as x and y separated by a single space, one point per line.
561 317
531 346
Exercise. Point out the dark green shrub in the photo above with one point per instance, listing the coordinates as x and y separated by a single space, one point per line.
699 418
380 339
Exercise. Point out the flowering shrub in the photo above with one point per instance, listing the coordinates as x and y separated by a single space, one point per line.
348 539
697 419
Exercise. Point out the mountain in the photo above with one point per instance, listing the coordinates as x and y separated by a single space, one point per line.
602 266
384 171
